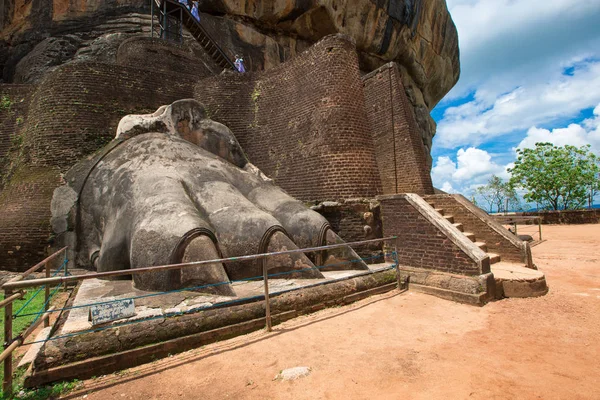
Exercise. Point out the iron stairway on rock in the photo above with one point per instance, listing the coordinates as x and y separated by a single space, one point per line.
173 16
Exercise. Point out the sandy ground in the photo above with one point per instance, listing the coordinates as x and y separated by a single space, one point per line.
408 346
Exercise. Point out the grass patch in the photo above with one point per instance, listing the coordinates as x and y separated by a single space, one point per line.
46 392
19 325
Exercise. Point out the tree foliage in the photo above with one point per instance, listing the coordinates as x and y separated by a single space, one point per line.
498 194
556 177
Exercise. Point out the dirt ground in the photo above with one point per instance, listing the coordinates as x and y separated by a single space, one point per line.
408 346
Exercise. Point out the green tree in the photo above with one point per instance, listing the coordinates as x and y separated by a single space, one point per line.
556 177
498 194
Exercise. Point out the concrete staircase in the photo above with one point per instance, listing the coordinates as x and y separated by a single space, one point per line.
512 279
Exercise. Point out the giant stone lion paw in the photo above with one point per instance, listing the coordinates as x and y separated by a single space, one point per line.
175 186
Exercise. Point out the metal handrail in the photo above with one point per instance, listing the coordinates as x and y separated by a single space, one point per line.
73 278
12 343
199 25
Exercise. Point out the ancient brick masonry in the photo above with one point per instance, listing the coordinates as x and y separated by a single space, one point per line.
421 244
401 155
309 123
14 103
496 243
77 108
74 111
303 123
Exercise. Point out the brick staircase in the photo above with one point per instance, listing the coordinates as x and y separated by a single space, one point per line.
513 279
494 258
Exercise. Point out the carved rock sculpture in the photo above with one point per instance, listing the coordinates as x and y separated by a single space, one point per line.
175 186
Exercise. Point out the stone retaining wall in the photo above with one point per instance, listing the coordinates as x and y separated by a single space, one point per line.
566 217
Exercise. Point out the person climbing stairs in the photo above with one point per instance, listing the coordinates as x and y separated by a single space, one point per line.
192 22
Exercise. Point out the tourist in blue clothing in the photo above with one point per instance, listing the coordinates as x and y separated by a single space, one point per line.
239 64
195 11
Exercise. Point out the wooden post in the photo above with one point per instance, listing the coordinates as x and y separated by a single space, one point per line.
540 227
397 264
47 294
152 18
66 262
8 371
267 302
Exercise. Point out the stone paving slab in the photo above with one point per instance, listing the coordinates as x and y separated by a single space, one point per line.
96 290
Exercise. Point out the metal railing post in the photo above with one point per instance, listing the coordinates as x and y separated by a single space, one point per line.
267 301
152 18
66 262
8 371
397 264
47 293
165 21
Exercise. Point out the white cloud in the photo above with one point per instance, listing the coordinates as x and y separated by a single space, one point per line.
443 169
478 121
526 65
517 42
588 132
473 167
447 187
473 163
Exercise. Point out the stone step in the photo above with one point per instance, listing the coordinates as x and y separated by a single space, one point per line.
494 258
450 218
516 280
482 246
459 226
470 236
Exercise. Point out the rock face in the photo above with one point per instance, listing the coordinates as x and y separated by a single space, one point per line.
38 35
176 187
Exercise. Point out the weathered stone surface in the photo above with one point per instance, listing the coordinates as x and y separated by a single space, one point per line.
176 187
418 34
514 280
45 57
120 338
291 374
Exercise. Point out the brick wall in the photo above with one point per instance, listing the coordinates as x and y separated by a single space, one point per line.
401 155
567 217
76 109
496 242
355 221
420 243
14 103
73 112
303 123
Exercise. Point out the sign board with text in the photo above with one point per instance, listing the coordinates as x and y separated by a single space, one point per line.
107 312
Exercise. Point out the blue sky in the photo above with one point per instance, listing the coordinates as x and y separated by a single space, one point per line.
530 72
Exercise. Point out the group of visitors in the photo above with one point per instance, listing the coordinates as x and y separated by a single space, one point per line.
239 61
193 9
